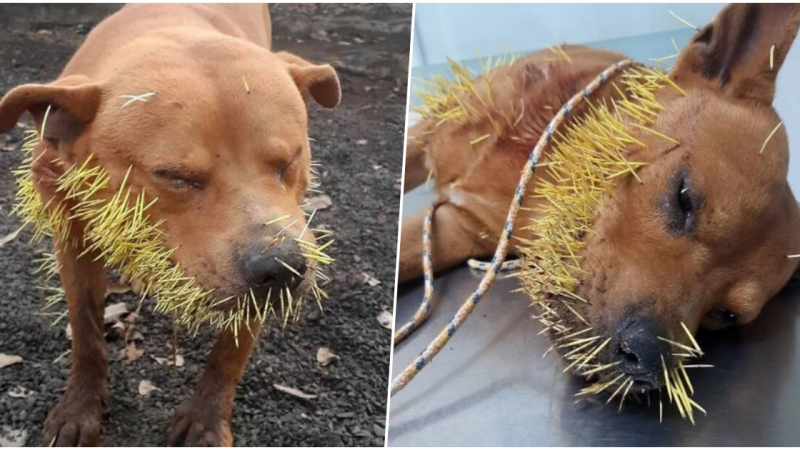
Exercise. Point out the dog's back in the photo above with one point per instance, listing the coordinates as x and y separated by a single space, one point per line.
149 27
475 163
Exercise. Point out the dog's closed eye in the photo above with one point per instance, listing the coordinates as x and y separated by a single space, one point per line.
178 180
722 317
285 166
283 169
686 204
683 203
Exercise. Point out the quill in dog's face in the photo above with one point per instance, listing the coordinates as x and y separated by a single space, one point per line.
704 239
187 109
223 155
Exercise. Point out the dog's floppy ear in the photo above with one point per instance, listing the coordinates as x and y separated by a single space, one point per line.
316 81
742 49
73 101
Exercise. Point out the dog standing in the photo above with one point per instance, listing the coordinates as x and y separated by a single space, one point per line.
213 124
704 239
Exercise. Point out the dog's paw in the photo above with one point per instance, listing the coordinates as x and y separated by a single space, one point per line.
196 425
73 423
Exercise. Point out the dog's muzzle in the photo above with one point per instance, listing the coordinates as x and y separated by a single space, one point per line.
640 352
273 269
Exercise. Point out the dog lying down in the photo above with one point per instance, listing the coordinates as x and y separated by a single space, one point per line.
661 205
174 148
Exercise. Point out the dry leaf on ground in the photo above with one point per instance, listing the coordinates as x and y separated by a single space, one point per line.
146 388
19 392
113 312
370 280
320 202
325 356
179 361
294 392
7 360
9 237
118 326
130 353
385 319
10 437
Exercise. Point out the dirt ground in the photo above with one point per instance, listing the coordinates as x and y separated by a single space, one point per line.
360 146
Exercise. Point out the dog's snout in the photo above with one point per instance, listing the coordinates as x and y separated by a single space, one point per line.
639 350
273 267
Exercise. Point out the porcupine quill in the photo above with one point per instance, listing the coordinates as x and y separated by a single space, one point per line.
119 230
585 160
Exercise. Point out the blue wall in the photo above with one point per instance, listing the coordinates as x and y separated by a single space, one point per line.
642 31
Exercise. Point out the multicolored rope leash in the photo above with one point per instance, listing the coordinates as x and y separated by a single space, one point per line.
499 257
424 310
484 266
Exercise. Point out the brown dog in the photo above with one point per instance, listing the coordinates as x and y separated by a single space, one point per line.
222 143
704 239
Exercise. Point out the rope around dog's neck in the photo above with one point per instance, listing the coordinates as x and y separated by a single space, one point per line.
499 257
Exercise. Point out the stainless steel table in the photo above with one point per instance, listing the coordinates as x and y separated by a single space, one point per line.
490 385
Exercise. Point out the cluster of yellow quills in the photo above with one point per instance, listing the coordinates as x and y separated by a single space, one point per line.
583 163
119 231
443 98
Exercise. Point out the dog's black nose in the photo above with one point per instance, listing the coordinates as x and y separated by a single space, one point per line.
273 267
639 350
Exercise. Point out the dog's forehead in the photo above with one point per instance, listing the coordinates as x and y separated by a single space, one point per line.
741 142
235 108
719 136
719 154
230 79
248 92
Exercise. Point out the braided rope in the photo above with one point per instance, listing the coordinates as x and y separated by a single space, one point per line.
499 257
484 266
424 309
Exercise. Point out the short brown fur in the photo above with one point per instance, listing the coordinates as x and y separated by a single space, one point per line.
247 148
748 220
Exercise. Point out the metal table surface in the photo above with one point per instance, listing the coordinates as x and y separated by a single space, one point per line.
490 385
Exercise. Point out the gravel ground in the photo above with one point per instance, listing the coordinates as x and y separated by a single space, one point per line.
361 148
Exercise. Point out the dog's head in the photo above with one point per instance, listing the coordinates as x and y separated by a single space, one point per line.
216 133
703 238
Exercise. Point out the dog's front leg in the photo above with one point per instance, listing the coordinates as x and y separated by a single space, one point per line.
204 419
75 420
455 238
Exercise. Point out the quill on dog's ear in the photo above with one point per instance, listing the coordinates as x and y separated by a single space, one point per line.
742 50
